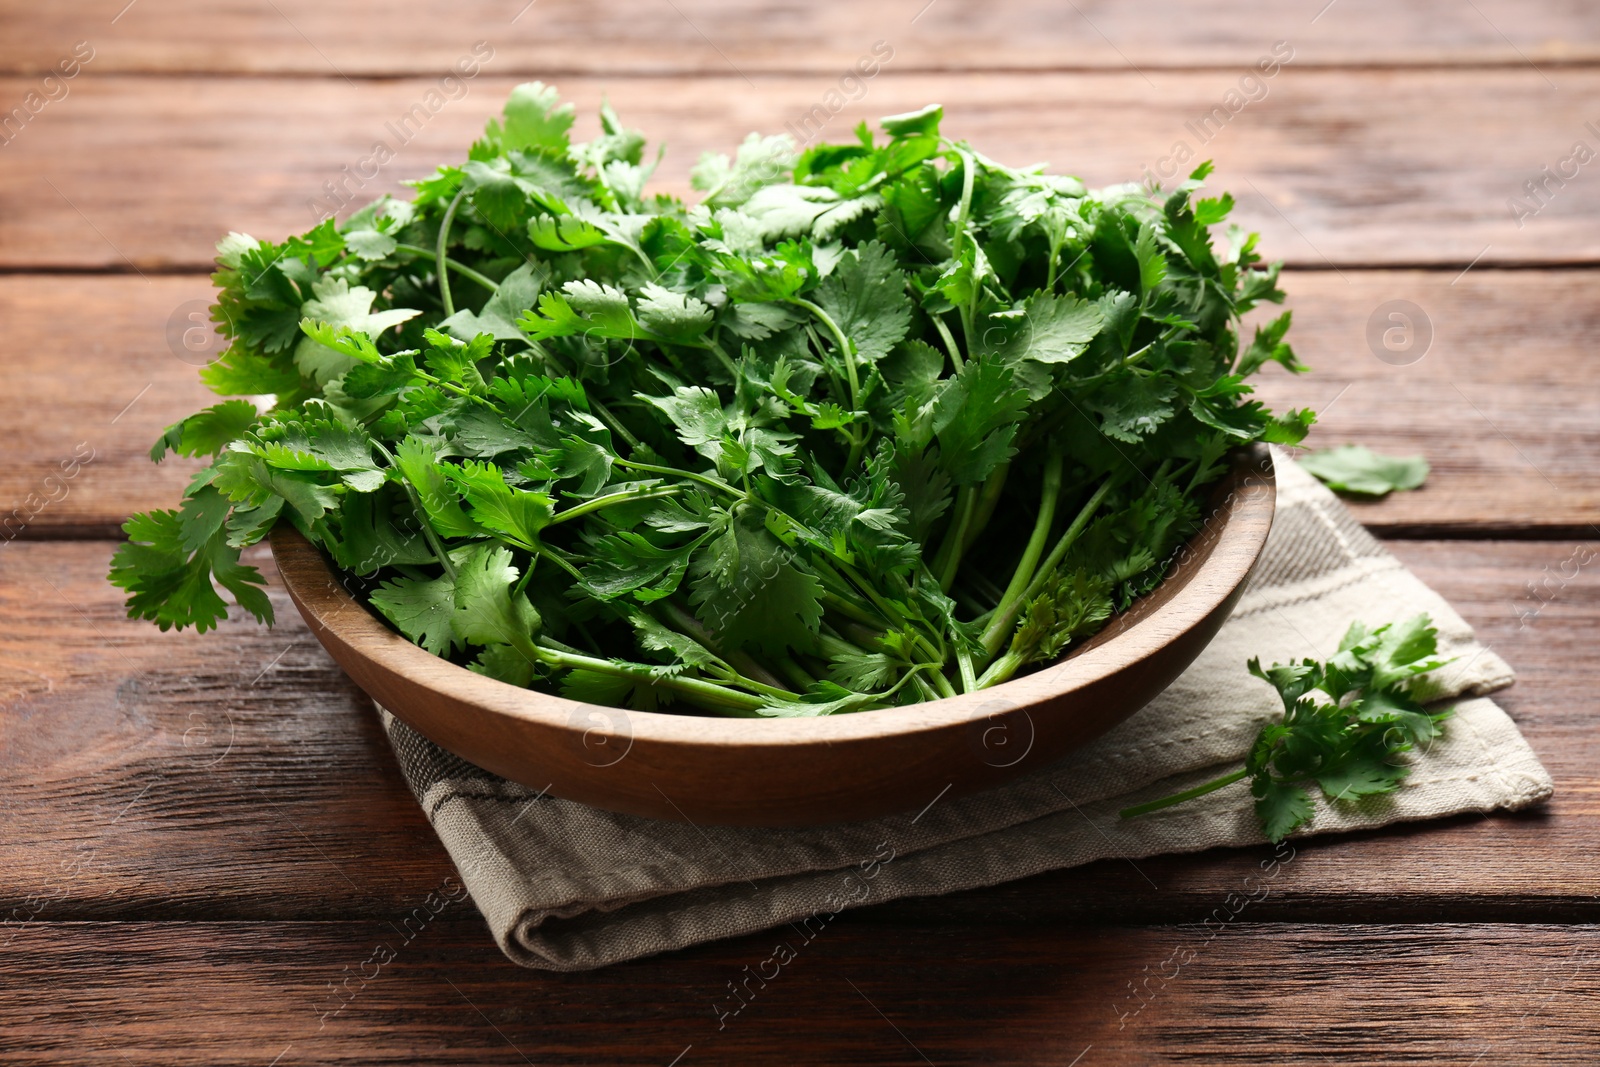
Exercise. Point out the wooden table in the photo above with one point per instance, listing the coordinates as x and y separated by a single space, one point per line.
205 837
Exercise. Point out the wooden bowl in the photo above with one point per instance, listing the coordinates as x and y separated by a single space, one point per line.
788 772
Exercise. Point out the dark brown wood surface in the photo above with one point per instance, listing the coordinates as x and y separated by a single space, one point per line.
206 837
1247 992
1389 167
616 37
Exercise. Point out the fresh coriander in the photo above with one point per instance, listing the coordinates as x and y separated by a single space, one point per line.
872 423
1349 744
1359 470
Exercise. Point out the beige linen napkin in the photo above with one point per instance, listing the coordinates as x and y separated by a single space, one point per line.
567 887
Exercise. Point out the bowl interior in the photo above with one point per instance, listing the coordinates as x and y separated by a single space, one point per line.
857 763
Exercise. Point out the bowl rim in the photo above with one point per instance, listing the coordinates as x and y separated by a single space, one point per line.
1231 548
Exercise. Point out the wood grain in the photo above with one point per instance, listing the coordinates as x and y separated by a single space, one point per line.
1503 401
722 36
1237 993
93 375
176 753
239 776
1388 168
1507 415
116 742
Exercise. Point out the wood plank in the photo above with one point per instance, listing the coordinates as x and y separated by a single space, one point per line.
1387 169
1478 404
1478 400
1242 992
237 767
124 798
720 36
93 384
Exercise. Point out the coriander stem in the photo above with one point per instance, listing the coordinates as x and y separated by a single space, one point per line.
548 553
988 500
969 680
846 349
963 214
1005 614
795 673
860 637
614 423
673 472
888 609
849 610
830 647
949 341
724 358
968 165
428 533
708 695
948 559
1049 495
853 462
1058 237
852 577
455 265
686 624
439 257
452 387
1001 670
595 504
1188 794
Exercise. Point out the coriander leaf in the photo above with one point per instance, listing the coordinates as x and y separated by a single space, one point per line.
1358 469
627 563
489 610
535 118
370 245
1046 329
564 233
682 650
171 584
1282 807
760 161
423 610
674 315
697 413
1268 346
975 419
207 432
418 463
517 293
1132 407
516 514
752 590
1350 747
336 303
1401 650
866 297
506 664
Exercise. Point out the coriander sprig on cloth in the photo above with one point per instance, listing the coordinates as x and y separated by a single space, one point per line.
1348 744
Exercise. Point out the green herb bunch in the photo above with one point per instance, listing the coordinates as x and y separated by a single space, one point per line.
871 423
1349 743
